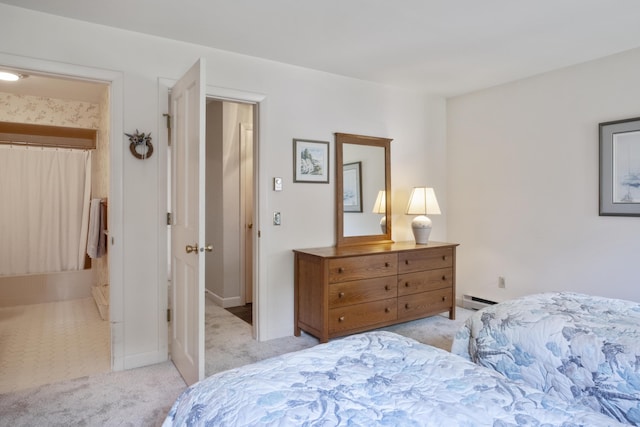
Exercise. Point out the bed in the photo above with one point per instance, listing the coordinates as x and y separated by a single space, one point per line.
371 379
581 348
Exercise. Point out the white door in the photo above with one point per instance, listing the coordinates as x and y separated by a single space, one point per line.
187 104
246 207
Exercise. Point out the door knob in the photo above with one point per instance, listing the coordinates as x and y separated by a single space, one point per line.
208 248
190 248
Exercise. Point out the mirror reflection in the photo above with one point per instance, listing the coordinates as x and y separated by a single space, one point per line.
363 178
363 181
380 207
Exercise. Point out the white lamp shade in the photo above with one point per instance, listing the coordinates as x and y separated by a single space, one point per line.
422 202
380 206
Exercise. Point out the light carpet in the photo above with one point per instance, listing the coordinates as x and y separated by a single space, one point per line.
143 396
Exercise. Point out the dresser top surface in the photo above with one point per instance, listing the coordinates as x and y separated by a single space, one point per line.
370 249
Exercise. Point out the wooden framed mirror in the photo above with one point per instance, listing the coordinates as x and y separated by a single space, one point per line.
363 177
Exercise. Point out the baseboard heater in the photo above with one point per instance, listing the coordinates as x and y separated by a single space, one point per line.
475 303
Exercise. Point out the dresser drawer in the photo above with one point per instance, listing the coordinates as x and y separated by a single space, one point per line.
432 302
412 283
358 291
362 267
428 259
362 315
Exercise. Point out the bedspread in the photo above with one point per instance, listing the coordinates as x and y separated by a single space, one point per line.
371 379
581 348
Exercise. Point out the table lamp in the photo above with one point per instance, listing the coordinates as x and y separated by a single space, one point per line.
380 207
422 202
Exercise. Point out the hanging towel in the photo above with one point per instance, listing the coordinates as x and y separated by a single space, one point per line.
102 244
96 240
102 241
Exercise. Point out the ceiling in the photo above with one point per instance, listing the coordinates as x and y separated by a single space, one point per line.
446 47
54 87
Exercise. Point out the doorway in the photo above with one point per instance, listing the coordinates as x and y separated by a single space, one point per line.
59 306
229 202
230 213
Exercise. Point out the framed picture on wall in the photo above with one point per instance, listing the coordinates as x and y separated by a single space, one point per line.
620 168
310 161
352 187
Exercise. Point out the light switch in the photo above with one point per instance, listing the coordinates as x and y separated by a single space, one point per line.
277 184
276 218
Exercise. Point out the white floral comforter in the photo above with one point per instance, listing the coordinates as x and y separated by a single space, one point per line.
581 348
372 379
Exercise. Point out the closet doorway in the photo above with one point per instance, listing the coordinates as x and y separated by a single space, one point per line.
55 323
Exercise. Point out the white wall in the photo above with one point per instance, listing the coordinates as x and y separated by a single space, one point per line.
299 103
523 184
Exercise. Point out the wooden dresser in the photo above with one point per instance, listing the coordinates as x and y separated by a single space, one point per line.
344 290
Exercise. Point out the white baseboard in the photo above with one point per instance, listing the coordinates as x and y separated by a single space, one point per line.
145 359
223 302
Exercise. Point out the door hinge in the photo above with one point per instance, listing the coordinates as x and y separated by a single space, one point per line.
168 116
168 218
168 315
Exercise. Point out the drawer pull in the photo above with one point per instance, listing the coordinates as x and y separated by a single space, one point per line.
387 310
444 298
341 294
341 319
406 306
406 284
387 288
444 277
386 264
444 257
406 261
340 270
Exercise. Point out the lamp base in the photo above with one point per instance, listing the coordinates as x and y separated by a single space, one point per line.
383 224
421 226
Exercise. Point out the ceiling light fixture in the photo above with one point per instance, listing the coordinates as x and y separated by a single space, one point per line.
10 76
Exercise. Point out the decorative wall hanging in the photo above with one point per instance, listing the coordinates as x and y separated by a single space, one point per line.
352 187
140 146
310 161
620 168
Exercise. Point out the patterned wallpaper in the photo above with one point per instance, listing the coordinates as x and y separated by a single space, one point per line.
48 111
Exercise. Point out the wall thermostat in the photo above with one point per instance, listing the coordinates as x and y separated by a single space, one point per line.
277 184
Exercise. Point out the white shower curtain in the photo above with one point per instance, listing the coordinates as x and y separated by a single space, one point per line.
44 209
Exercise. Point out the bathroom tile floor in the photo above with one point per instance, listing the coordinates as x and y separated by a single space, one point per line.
45 343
